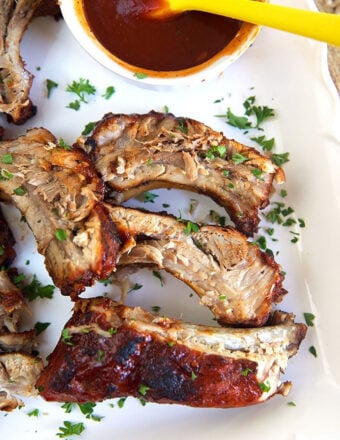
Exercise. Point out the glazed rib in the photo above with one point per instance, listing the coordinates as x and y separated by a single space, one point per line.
234 278
59 193
135 153
114 351
16 81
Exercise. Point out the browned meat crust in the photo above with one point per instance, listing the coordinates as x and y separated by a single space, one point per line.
233 277
12 304
7 242
135 153
112 351
59 193
16 81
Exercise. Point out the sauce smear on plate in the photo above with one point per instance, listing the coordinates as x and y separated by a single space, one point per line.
183 41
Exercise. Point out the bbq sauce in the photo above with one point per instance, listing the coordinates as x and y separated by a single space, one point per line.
180 42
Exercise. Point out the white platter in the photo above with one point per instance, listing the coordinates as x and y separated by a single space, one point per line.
285 72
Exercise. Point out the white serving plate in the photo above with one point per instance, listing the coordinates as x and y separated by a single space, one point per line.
288 73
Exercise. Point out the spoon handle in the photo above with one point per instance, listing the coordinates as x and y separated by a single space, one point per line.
317 25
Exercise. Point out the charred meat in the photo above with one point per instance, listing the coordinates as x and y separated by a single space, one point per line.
59 194
135 153
233 277
113 350
7 242
15 80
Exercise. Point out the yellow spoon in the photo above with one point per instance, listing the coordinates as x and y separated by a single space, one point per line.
317 25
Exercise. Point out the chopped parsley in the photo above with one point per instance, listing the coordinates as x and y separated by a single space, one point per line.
110 90
40 327
280 159
149 197
241 122
121 402
7 159
50 85
182 126
246 371
81 88
238 158
36 290
193 375
87 410
155 309
143 389
33 413
312 350
66 336
88 128
265 387
100 354
291 403
61 234
63 144
157 275
165 109
70 428
136 286
216 151
266 144
20 191
140 75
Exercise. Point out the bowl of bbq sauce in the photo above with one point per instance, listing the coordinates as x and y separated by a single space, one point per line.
184 49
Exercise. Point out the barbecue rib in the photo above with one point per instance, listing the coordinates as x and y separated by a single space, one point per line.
59 193
135 153
16 82
237 281
7 242
112 350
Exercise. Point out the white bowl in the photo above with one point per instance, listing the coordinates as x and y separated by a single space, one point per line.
73 13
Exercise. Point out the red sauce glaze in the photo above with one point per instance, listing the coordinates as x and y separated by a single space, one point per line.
181 42
96 367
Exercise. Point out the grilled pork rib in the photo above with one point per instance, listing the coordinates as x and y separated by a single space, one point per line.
16 81
135 153
59 193
114 351
19 366
237 281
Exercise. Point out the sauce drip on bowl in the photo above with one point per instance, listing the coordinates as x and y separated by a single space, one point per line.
184 41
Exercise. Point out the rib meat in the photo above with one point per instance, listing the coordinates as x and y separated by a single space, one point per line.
114 351
18 375
59 193
233 277
12 304
16 81
7 242
135 153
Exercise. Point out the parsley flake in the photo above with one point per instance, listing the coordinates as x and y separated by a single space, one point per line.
7 158
88 128
143 389
110 90
81 88
312 350
36 290
61 234
40 327
66 337
50 85
140 75
70 428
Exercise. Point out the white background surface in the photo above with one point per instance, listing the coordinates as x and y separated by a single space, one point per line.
287 73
